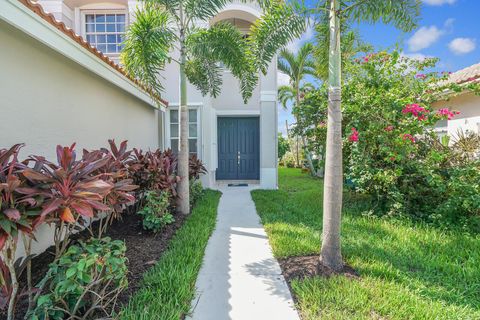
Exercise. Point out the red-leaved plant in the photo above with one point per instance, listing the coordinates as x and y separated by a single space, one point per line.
73 193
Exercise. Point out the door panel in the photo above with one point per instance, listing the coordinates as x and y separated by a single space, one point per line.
227 150
238 148
248 145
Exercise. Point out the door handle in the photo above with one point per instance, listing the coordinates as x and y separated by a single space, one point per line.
238 158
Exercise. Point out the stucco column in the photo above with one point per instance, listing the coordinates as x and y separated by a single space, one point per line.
268 128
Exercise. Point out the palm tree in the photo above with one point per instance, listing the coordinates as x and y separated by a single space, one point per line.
403 14
169 30
296 67
351 45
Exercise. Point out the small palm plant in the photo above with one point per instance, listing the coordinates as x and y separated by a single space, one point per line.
170 31
296 66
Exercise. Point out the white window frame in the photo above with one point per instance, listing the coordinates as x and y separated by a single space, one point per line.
83 23
168 142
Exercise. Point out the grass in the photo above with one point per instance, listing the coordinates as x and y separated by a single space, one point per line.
169 287
408 270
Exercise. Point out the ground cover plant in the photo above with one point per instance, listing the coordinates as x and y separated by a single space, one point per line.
80 198
407 269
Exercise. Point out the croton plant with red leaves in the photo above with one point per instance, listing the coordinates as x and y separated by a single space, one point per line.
74 191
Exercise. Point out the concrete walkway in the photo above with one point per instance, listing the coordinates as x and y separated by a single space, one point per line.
239 278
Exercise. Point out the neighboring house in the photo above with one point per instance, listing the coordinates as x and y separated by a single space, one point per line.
467 103
236 141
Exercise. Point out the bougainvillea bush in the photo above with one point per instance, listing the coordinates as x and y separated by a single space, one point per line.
390 148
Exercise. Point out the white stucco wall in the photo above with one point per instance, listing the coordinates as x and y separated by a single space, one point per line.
229 102
47 99
468 105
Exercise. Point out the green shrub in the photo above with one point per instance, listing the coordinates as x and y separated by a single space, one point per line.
389 149
155 211
84 282
196 191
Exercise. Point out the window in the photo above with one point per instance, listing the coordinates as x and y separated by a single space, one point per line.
192 130
105 31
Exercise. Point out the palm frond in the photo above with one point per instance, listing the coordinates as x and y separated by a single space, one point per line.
147 44
403 14
275 29
285 94
170 6
204 74
203 9
224 43
284 67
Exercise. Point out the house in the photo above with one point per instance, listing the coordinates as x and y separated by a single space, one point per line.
236 141
57 89
466 102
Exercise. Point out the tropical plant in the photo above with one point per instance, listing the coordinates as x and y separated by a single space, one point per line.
155 212
196 191
116 173
390 151
85 282
73 194
296 66
195 168
352 46
165 26
403 14
19 206
154 170
283 146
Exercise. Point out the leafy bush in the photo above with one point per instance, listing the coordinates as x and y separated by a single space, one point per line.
195 168
85 282
196 191
390 151
283 146
155 211
69 194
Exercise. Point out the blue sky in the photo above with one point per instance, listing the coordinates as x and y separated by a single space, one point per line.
448 29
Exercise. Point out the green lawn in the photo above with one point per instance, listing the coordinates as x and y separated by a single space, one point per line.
169 287
408 270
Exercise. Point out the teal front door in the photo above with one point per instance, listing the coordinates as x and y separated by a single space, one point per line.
238 148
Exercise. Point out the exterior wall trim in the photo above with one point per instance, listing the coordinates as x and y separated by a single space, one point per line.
268 96
237 113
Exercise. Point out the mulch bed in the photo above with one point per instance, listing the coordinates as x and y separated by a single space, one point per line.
143 251
310 266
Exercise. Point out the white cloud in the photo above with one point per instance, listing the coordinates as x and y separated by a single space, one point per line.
282 79
461 46
439 2
424 38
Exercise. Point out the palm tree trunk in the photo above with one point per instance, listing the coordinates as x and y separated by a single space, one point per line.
307 154
183 190
330 255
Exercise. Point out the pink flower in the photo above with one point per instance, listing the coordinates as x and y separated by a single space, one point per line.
389 128
415 110
409 137
447 113
353 136
421 76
